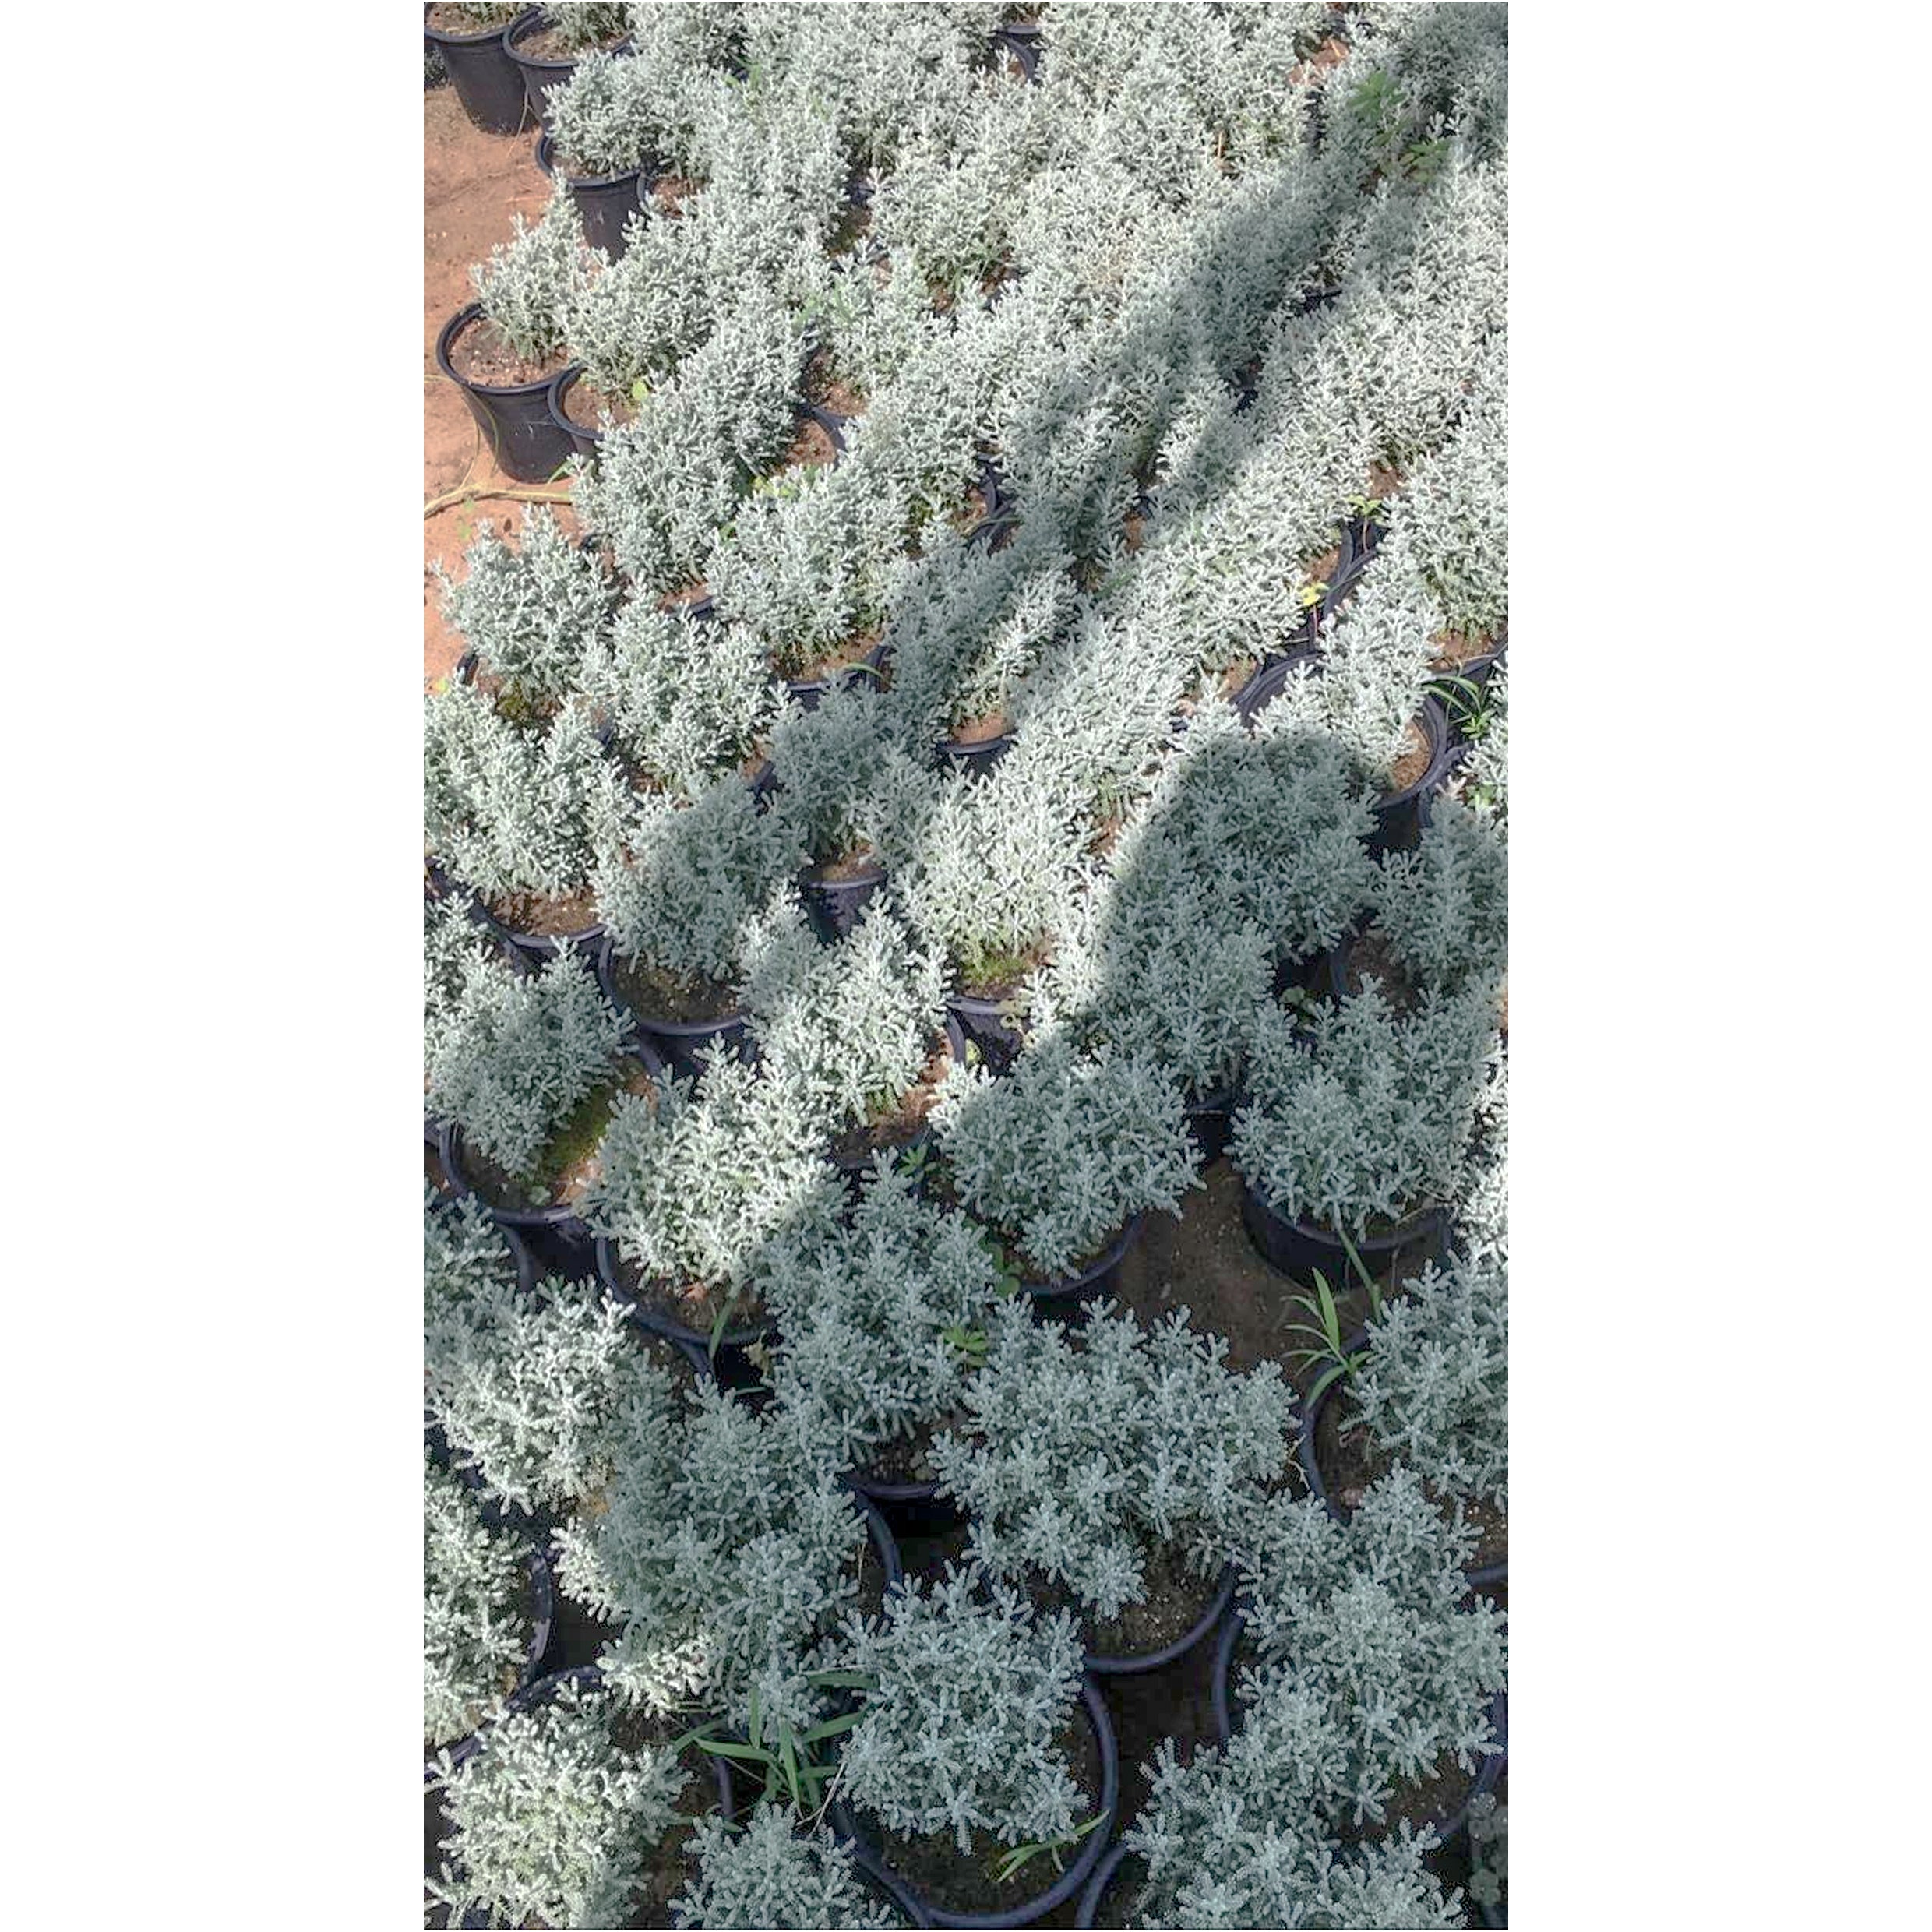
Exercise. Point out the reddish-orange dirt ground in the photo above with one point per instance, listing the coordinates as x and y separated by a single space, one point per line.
472 183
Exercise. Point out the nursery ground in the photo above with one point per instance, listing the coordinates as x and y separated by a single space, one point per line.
472 183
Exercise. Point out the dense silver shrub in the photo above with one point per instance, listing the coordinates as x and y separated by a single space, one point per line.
476 1610
1063 1151
1434 1390
960 1728
1368 1122
1443 908
1365 1623
525 287
1081 1450
518 1052
768 1873
552 1821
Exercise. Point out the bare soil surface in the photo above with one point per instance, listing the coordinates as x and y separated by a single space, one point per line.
473 182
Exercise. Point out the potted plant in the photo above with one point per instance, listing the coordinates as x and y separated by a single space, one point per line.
771 1871
803 568
1438 918
1361 1643
523 814
1236 1835
468 38
883 1311
486 1612
574 1810
531 613
662 490
502 349
988 872
846 788
1062 1158
599 142
546 43
1110 1471
523 1082
627 327
856 1031
1354 1131
694 1177
980 1770
728 1554
679 892
525 1383
684 702
966 631
1429 1389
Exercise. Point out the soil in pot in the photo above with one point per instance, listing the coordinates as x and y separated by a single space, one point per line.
909 1458
1413 761
1369 957
653 993
847 656
457 22
963 1882
480 354
695 1304
1350 1459
671 192
1176 1599
981 730
548 43
667 1865
587 406
812 448
526 912
1454 649
899 1120
1000 976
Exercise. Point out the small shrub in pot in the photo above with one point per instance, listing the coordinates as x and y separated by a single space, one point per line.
1364 1125
727 1552
768 1872
696 1177
1371 1620
1058 1157
476 1610
524 290
882 1313
556 1819
1113 1468
965 1742
1442 911
524 1071
680 894
531 612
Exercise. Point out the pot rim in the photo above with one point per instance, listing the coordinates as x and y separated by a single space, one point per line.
447 335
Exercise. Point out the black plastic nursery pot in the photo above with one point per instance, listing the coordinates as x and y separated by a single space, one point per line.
1298 1249
540 73
1138 1664
1021 39
1070 1883
486 79
1399 818
973 755
585 439
1486 1576
1265 686
988 1025
1105 1872
1067 1295
1210 1121
514 418
605 202
683 1042
520 1249
834 904
730 1361
538 948
556 1233
1229 1712
910 1509
806 692
543 1605
831 422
